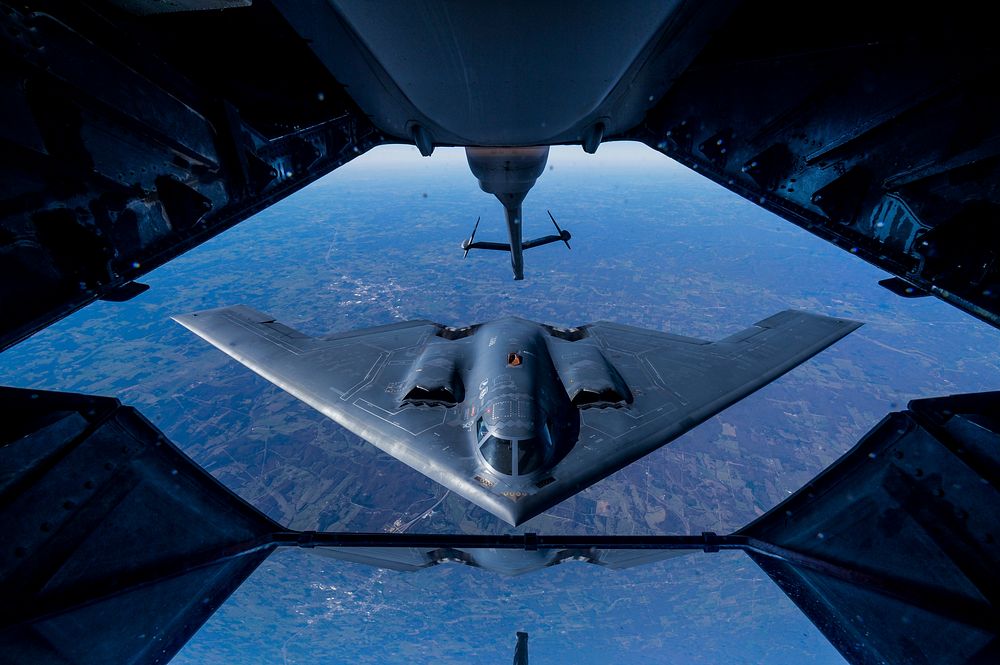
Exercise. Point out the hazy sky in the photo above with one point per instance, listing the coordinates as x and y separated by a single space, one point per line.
624 153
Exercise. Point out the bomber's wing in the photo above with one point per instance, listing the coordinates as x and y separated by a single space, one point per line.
509 562
358 379
675 383
404 559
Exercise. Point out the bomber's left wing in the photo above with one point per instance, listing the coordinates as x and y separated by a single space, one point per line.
359 379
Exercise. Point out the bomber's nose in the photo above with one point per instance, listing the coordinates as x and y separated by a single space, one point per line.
512 562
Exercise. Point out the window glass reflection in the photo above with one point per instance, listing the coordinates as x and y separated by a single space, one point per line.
530 455
498 454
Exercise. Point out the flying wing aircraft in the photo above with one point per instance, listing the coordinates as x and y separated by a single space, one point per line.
513 415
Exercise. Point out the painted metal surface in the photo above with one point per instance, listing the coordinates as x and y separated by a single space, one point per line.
559 409
118 546
874 128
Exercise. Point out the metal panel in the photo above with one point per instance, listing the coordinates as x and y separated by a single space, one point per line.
128 140
116 547
911 512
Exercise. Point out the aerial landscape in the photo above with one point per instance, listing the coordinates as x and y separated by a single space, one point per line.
378 241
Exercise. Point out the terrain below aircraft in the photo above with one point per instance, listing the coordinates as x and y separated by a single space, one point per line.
513 415
509 174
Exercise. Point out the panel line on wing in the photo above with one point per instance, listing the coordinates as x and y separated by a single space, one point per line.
375 410
368 378
255 329
647 365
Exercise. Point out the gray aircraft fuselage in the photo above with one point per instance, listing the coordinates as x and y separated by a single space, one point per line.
523 420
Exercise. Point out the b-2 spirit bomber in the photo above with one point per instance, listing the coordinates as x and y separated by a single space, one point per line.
513 415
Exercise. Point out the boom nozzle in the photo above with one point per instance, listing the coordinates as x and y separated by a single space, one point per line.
508 174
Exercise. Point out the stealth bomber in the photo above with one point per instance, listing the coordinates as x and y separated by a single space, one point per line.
513 415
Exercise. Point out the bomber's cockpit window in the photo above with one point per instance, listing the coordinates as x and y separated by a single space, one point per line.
530 455
531 452
498 453
501 453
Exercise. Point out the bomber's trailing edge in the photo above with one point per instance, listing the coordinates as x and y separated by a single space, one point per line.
514 415
510 562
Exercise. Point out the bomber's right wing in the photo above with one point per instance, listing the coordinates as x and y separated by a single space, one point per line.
674 383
